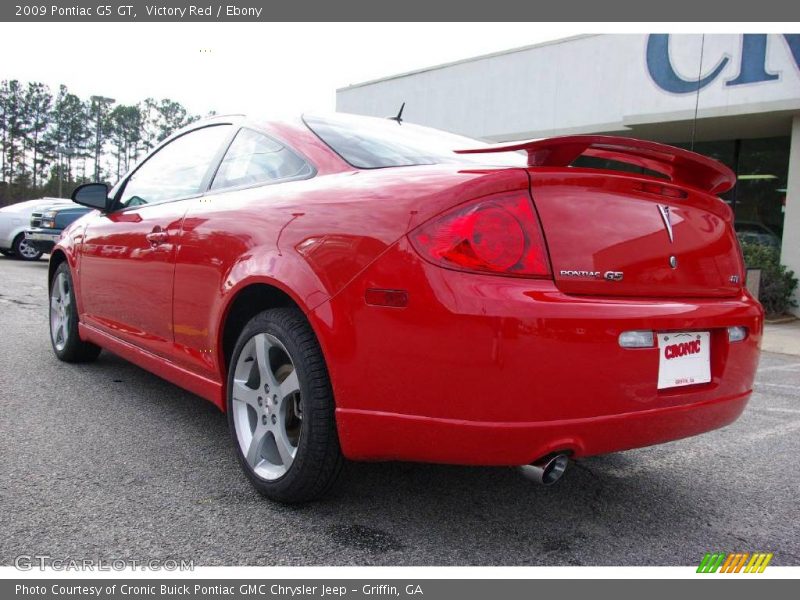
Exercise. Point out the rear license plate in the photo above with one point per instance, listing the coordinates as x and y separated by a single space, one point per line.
685 358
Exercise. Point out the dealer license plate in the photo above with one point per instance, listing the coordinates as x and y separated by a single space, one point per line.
685 358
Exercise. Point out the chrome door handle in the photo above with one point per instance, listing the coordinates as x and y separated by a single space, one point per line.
157 236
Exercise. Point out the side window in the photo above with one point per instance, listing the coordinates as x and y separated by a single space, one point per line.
175 171
254 158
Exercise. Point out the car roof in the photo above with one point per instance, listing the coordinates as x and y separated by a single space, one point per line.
36 203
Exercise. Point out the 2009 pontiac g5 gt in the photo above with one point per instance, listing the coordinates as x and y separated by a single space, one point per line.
369 289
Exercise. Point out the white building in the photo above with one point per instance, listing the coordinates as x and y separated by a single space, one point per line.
743 89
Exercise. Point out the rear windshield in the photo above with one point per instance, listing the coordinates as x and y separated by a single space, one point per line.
372 143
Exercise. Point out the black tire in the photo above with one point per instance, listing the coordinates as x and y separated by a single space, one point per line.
20 251
72 349
318 460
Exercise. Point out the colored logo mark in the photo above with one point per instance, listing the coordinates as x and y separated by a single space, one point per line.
743 562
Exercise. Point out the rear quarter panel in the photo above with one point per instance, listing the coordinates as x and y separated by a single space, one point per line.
309 238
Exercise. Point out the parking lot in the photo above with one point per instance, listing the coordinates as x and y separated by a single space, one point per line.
108 461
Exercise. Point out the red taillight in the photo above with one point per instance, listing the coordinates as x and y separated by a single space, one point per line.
497 234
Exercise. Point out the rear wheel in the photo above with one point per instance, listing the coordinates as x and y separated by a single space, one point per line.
64 320
24 250
281 408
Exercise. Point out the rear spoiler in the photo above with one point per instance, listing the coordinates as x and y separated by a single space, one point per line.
681 166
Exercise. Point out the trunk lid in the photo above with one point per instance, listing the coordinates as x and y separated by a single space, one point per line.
608 235
622 234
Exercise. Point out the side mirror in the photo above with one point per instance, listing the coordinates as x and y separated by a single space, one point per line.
93 195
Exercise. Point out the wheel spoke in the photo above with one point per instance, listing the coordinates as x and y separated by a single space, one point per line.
27 249
289 385
263 345
256 445
285 449
242 393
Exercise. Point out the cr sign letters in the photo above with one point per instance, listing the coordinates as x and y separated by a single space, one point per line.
752 63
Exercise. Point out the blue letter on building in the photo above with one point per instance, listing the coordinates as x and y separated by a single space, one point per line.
665 77
753 67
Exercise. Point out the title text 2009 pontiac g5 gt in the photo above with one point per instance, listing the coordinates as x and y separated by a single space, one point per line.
365 288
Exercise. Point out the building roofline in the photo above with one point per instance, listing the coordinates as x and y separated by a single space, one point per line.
467 60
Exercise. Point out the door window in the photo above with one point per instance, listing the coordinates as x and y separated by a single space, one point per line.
254 158
176 170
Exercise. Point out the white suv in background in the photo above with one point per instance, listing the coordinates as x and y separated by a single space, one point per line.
15 219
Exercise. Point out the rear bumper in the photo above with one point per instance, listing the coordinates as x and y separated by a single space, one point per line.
480 369
375 436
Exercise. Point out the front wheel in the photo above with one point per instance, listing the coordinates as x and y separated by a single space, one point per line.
281 409
67 345
24 250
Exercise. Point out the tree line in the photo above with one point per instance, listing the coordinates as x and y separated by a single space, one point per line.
53 142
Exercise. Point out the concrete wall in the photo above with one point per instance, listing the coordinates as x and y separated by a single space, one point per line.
790 252
598 83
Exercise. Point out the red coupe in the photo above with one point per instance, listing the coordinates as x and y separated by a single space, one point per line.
369 289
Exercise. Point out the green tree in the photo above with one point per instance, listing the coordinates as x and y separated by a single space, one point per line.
172 116
3 127
125 132
68 134
99 124
37 104
50 141
150 129
13 135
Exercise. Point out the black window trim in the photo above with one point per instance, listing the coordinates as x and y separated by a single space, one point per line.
312 170
351 165
205 180
236 125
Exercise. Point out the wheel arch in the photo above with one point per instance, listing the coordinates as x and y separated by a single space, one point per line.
66 254
57 256
244 303
15 233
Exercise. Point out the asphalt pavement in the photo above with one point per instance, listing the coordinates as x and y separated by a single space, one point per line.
108 461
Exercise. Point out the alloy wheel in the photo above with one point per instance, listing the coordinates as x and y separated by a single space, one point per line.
267 406
27 250
60 301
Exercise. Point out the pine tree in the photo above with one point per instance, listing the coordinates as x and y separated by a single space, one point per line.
99 111
172 116
68 134
3 127
125 132
37 104
13 142
47 141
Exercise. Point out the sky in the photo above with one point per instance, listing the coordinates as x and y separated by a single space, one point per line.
273 70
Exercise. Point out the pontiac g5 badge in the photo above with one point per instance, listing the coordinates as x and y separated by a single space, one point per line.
608 275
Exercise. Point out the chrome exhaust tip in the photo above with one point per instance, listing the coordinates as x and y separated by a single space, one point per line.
547 470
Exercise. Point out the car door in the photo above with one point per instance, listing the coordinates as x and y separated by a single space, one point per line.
128 254
244 207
